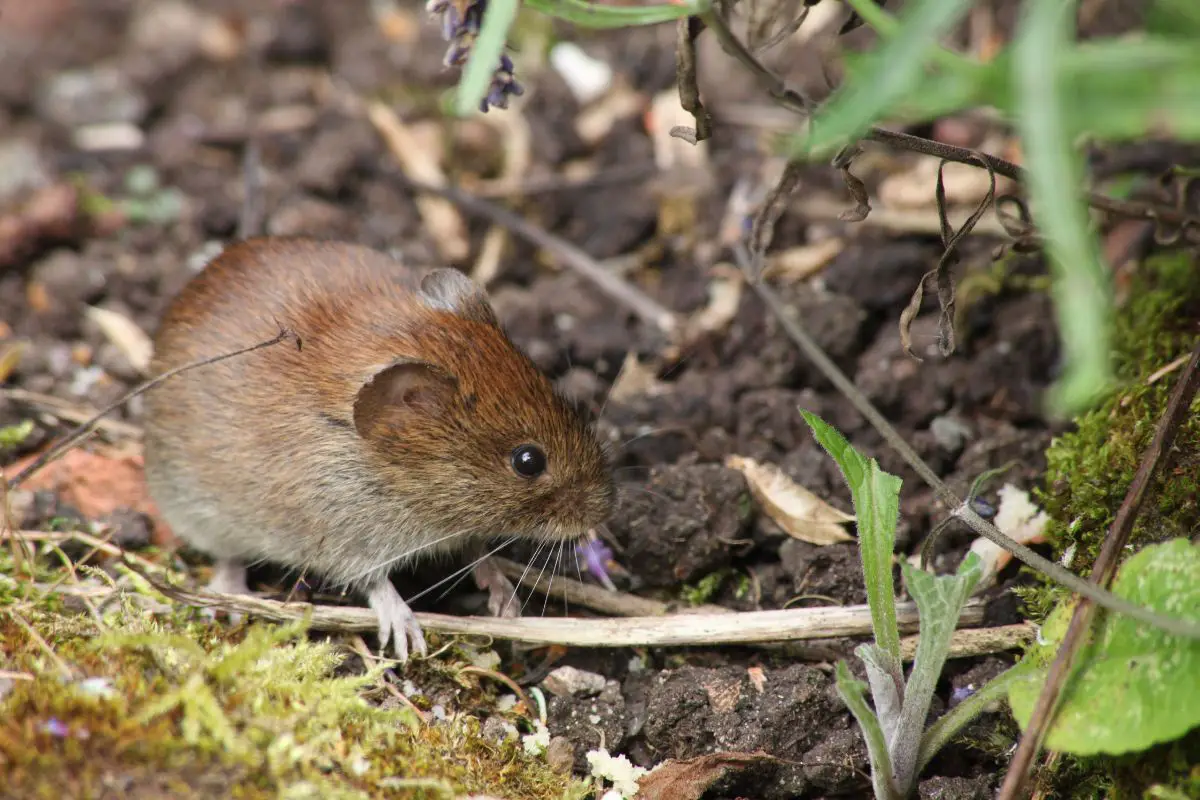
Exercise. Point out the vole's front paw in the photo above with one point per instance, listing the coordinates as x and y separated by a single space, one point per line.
228 577
397 623
502 595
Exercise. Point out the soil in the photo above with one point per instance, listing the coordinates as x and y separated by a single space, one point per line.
157 71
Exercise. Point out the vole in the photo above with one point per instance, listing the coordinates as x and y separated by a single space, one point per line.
403 423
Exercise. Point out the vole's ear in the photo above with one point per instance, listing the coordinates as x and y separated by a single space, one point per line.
450 290
404 389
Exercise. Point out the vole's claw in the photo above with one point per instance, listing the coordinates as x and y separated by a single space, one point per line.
502 595
396 620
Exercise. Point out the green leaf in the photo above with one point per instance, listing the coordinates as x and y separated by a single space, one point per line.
892 71
1147 678
939 602
853 694
876 496
594 15
1054 171
1174 18
485 55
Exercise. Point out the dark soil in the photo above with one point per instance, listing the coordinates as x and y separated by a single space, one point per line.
69 68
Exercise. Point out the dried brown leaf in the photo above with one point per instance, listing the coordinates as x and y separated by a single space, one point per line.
799 512
724 297
125 334
690 779
635 378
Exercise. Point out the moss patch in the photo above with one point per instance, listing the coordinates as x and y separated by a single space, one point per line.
151 701
1088 473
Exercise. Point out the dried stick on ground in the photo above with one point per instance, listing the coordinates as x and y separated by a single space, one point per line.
1103 571
678 630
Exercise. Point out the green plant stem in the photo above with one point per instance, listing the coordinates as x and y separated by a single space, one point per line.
961 510
887 26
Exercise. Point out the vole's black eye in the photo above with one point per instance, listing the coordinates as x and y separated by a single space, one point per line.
528 461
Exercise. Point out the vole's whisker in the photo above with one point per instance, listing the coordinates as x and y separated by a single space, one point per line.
644 434
461 571
403 556
541 572
644 490
525 572
557 562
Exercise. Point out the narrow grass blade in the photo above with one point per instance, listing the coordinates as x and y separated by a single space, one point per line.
594 15
1054 171
485 55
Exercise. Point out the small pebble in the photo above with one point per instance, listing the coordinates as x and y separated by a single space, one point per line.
568 681
950 433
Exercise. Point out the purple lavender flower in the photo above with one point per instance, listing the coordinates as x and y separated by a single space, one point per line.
461 20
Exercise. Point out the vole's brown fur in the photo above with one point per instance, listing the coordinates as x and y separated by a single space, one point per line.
387 434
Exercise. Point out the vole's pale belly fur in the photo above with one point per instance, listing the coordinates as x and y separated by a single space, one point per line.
370 535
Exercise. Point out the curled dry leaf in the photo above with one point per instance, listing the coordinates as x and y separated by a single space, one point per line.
419 159
724 297
800 263
635 378
800 513
690 779
10 356
123 332
1019 519
966 185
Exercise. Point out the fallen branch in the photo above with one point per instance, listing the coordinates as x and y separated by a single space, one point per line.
676 630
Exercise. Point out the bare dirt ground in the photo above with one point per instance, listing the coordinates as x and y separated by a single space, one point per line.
145 110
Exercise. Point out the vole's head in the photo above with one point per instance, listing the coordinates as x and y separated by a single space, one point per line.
471 435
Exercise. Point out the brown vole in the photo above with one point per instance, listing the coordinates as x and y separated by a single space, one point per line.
405 424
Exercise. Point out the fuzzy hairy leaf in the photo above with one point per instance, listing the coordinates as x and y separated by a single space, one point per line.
853 694
876 496
939 601
1148 678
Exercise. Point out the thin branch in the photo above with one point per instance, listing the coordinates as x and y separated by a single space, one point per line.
672 630
1103 570
688 28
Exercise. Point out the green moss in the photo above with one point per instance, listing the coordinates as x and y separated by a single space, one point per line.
1089 471
703 590
154 702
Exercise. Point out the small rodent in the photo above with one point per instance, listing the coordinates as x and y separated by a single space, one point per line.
403 423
